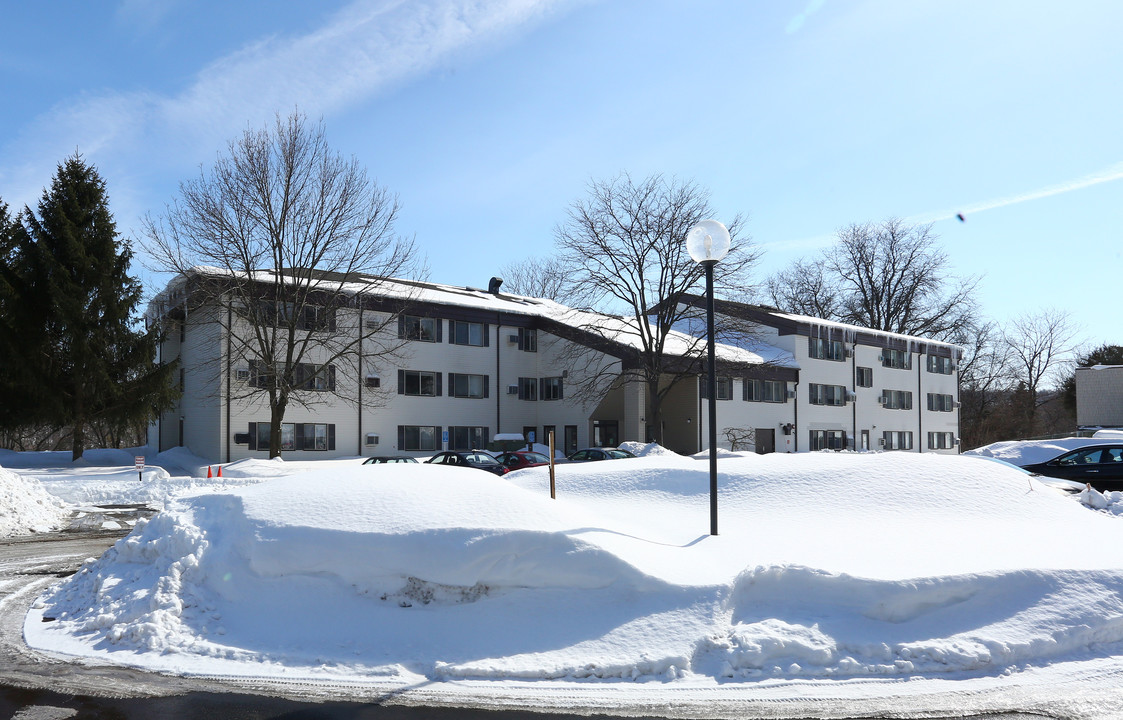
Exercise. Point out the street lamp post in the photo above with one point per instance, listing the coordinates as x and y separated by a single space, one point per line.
708 242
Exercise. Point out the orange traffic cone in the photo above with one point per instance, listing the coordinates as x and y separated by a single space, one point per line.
220 471
209 471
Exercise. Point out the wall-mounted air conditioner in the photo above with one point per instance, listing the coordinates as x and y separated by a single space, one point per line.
957 403
791 394
882 400
851 396
242 373
512 389
881 441
513 339
372 439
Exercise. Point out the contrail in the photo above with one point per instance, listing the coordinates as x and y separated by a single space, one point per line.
1115 172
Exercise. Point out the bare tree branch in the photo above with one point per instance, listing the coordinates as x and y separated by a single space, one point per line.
293 233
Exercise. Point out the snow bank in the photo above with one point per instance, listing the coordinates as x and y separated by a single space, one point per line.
25 507
828 565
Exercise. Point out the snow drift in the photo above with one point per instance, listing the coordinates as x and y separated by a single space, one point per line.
828 565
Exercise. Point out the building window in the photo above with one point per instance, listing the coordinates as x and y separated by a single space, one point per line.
724 388
941 440
307 376
826 394
828 440
896 399
467 386
260 374
899 359
317 319
546 430
940 402
412 327
754 390
826 349
420 383
897 439
941 365
468 333
528 388
294 436
528 340
552 388
467 438
419 437
864 377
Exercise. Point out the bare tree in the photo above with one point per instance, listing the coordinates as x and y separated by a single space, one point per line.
890 277
290 233
623 251
1041 345
740 438
539 277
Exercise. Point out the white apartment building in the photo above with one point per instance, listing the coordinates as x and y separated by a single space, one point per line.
1099 396
473 363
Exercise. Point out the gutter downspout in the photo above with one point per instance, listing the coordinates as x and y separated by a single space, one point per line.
795 425
229 352
498 382
854 390
362 379
919 408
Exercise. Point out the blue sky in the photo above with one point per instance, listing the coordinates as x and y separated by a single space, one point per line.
489 118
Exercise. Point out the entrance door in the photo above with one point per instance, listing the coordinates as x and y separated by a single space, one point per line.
865 439
765 440
606 434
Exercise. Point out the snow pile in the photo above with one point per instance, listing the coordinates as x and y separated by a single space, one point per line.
641 450
25 507
1114 435
1029 452
828 565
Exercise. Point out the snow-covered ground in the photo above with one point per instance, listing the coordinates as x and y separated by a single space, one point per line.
829 568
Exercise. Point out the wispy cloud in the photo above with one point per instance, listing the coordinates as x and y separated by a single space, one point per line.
366 48
1114 172
1109 174
796 23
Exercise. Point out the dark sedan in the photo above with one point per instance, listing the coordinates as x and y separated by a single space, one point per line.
600 454
465 458
1099 465
521 459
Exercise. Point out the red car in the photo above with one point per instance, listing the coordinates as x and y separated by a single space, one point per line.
521 459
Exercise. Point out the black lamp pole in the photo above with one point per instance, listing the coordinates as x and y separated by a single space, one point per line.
712 385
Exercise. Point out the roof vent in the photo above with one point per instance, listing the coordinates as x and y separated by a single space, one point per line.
493 286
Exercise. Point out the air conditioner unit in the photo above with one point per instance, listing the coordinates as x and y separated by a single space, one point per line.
882 400
881 358
851 396
372 439
957 442
791 394
243 373
954 367
957 403
373 381
849 352
513 339
371 324
512 389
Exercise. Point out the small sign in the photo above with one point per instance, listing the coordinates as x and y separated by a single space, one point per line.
444 436
530 437
139 462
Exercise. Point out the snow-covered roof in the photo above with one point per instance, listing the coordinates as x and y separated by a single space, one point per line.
622 331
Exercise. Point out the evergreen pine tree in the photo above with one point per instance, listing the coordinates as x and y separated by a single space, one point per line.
21 335
93 365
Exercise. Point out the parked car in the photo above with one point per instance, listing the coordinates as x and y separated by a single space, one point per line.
1101 466
469 458
380 459
521 459
599 454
